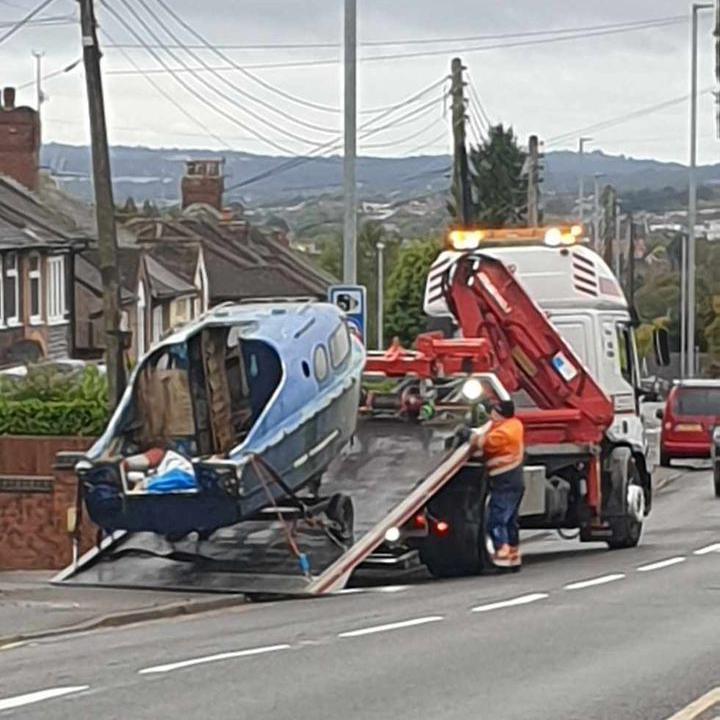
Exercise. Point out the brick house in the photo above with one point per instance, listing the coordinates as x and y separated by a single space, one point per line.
37 248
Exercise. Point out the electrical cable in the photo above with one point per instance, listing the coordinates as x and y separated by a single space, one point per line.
465 50
193 92
434 41
228 98
25 20
174 102
332 146
236 88
247 73
408 138
481 107
54 73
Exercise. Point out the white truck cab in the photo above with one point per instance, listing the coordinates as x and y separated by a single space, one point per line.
582 298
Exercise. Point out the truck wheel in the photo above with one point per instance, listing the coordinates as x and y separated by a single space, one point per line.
665 459
716 478
462 551
341 513
626 530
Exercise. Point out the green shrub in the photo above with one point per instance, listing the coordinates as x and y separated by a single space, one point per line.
48 402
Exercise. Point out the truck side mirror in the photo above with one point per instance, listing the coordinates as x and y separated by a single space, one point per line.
661 344
659 413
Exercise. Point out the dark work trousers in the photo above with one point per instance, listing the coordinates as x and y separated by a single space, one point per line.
506 492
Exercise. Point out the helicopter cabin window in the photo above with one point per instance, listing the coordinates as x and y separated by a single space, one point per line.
339 345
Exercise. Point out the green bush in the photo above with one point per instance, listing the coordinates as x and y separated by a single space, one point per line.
48 402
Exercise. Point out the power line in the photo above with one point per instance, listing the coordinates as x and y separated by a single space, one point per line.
330 146
175 103
57 72
430 143
192 91
620 119
43 21
408 138
248 74
237 88
432 53
25 20
480 106
428 41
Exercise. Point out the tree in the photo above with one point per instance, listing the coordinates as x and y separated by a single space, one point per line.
498 180
371 233
404 316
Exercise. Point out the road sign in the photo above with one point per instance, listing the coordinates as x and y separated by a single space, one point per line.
352 300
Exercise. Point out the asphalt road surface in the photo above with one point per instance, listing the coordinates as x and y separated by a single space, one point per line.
582 632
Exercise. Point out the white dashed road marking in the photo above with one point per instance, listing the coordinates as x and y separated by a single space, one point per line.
212 658
514 602
715 547
391 626
595 581
39 696
661 564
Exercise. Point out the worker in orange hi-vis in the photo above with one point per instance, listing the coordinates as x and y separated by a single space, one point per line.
503 448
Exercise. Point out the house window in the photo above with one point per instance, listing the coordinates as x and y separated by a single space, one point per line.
35 278
56 289
181 312
11 290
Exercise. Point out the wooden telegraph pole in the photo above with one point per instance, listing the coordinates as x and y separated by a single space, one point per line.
104 205
461 170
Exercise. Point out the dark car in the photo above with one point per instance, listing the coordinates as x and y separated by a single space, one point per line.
690 417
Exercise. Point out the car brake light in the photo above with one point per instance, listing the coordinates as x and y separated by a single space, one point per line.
668 426
442 528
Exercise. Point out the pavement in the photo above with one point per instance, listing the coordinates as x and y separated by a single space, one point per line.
580 632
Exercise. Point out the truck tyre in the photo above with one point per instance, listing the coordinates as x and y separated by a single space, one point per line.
626 530
341 513
665 459
716 478
462 551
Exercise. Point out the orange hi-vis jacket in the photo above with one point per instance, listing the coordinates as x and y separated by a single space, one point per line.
504 446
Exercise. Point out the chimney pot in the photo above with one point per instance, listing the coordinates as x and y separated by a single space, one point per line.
9 98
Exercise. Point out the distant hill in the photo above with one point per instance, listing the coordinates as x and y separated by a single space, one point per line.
154 173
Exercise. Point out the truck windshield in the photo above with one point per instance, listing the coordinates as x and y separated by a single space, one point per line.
698 401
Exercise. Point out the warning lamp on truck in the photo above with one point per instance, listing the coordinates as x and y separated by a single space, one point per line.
556 236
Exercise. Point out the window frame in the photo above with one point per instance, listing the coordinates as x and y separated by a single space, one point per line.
13 320
35 275
56 290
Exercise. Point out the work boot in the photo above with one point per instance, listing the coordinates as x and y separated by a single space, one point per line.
502 557
515 557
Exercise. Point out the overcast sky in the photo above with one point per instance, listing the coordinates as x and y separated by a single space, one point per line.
552 89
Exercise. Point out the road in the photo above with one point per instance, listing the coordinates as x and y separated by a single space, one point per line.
581 633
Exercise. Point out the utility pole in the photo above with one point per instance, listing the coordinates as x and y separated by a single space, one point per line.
596 212
380 246
350 186
692 192
581 192
533 198
716 33
609 201
618 232
104 205
631 260
461 170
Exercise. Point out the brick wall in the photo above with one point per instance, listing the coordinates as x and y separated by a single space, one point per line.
19 141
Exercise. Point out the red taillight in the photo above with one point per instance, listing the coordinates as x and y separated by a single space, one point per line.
420 521
442 528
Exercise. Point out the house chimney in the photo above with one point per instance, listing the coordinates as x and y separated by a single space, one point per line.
19 141
203 183
9 98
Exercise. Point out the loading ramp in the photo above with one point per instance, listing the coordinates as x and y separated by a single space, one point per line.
390 470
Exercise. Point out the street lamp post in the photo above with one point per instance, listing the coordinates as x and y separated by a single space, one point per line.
380 245
692 193
581 191
596 213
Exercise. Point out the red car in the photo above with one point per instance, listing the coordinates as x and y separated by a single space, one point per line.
691 414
